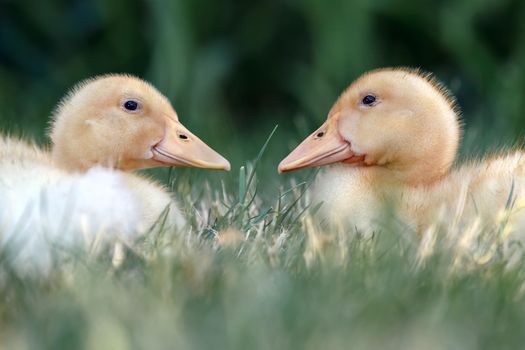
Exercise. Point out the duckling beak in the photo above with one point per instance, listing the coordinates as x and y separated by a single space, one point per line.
324 146
180 147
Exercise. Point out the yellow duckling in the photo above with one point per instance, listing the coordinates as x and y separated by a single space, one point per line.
392 137
103 126
123 122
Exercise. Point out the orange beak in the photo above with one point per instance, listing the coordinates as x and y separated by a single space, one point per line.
180 147
324 146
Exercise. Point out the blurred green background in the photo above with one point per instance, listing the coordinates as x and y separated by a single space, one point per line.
233 69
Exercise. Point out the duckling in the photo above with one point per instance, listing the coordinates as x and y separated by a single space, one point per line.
123 122
390 140
103 128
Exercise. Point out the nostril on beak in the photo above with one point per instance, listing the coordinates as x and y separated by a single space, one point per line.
319 134
183 137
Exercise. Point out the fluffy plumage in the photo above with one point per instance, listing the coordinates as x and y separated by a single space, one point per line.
42 206
78 192
405 145
91 126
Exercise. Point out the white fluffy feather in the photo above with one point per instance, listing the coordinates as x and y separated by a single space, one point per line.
42 206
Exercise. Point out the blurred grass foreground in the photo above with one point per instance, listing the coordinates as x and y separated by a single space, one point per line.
256 274
255 270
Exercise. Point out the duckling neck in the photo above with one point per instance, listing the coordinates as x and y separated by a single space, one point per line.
379 177
64 160
424 174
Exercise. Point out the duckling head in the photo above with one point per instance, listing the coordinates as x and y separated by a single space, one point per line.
123 122
399 121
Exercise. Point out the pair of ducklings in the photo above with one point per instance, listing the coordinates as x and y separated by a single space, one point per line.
392 135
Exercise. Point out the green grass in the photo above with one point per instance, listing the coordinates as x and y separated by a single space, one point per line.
255 273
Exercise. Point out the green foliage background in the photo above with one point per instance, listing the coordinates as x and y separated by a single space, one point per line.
233 69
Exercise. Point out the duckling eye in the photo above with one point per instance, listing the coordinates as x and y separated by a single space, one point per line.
131 105
369 100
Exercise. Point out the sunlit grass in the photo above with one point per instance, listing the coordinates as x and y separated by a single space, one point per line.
250 273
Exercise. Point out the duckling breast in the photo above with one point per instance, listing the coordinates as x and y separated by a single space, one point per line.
351 198
43 207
